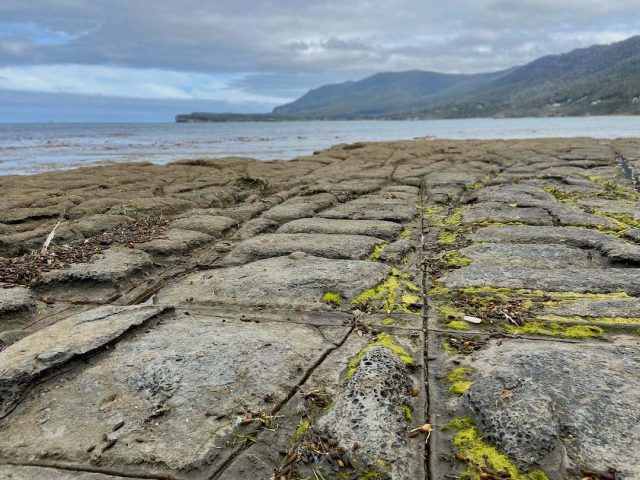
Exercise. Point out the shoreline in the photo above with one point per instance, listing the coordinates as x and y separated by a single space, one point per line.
33 148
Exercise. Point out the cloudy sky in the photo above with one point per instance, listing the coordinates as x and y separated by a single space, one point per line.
146 60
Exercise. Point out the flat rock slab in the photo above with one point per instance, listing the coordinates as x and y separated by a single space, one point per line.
175 241
613 247
374 207
18 472
178 385
213 225
290 211
15 300
503 213
364 410
372 228
522 255
55 345
567 406
277 282
554 280
98 280
617 307
318 244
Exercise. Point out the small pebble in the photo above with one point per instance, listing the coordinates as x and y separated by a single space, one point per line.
118 426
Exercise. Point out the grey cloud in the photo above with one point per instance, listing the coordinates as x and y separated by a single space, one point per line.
313 41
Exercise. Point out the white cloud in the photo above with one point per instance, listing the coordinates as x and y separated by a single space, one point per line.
129 83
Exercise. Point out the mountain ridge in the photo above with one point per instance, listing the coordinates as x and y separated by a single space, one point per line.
596 80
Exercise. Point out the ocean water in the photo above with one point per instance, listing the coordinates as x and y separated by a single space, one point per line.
32 148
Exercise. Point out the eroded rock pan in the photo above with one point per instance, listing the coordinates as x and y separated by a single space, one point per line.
402 310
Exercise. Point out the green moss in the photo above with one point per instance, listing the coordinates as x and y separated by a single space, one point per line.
589 319
396 294
410 299
406 410
333 298
612 190
388 321
459 382
377 251
438 289
558 194
557 330
448 348
457 325
404 260
446 237
480 454
455 259
437 219
303 428
405 234
480 183
448 311
385 340
623 221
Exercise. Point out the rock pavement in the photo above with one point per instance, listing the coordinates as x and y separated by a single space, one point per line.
400 310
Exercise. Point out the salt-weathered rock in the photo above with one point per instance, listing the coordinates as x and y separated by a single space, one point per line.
51 347
373 228
554 280
563 405
503 213
374 207
370 412
540 256
277 282
175 242
96 281
212 225
14 300
20 472
179 386
321 245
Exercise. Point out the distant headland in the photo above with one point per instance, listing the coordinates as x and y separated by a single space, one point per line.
598 80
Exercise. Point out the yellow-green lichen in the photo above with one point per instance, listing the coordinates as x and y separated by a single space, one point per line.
448 311
406 410
385 340
454 258
333 298
480 183
396 294
446 346
438 289
446 237
437 219
405 234
623 221
557 330
479 454
558 194
457 325
589 319
459 383
613 190
303 428
377 251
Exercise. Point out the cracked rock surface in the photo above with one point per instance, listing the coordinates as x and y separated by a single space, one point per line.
400 310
